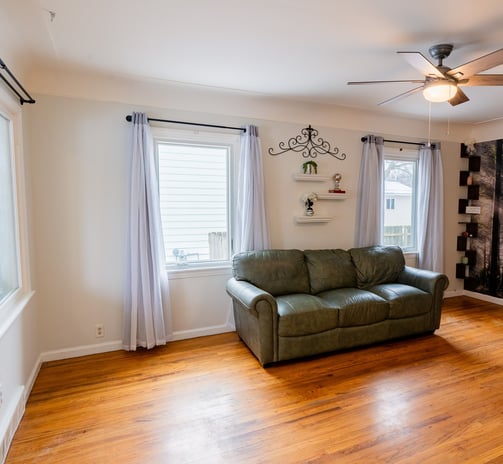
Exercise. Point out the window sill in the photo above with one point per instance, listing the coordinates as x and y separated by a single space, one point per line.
12 309
184 272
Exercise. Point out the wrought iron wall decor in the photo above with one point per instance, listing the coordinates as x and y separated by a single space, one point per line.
309 144
15 83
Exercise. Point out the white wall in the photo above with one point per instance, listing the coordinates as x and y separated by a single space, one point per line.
78 190
492 130
221 105
284 195
19 363
452 164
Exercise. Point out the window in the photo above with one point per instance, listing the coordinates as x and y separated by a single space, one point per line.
400 188
195 187
15 288
9 270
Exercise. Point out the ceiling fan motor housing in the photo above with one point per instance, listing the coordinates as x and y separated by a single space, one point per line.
440 51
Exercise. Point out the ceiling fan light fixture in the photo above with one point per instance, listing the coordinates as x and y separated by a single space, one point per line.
439 90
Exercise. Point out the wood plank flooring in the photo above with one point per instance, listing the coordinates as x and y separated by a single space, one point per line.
432 399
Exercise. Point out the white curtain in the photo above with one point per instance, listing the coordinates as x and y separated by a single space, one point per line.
146 279
251 223
430 211
369 210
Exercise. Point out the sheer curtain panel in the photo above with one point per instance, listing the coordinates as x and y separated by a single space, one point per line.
251 222
369 209
146 301
430 211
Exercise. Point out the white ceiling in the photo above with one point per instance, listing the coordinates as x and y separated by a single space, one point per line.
299 49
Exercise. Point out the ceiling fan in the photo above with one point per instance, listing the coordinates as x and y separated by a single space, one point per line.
441 83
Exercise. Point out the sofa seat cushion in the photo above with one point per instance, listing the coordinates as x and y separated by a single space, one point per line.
404 300
356 307
303 314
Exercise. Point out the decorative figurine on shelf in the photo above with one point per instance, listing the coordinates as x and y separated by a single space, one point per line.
337 184
470 148
310 167
309 200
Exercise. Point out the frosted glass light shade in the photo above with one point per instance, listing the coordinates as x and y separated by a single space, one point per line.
439 91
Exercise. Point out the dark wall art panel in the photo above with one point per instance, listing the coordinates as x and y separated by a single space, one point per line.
487 273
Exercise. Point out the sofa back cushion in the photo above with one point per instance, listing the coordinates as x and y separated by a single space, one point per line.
329 270
279 272
377 264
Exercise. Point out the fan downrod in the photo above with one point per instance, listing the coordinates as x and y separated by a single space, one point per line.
440 51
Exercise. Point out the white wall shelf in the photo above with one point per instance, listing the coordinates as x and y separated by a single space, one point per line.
310 177
332 196
311 219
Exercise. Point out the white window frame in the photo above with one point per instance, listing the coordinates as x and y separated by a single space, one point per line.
16 301
217 138
401 154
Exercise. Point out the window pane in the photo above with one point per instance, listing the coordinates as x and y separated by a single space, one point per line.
9 280
193 186
399 192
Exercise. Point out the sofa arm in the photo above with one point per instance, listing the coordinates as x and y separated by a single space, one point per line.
249 295
256 318
429 281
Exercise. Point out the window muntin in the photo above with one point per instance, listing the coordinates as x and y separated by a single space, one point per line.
9 263
400 193
196 171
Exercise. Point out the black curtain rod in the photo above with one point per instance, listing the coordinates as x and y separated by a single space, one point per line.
22 99
130 118
364 139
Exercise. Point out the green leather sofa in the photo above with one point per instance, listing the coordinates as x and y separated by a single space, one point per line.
291 303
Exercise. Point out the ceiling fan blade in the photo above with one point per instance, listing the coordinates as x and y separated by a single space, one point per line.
402 95
459 98
483 79
421 63
483 63
413 81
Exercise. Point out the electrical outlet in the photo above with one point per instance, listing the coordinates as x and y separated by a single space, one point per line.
99 331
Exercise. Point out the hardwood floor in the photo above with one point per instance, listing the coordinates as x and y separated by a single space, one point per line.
432 399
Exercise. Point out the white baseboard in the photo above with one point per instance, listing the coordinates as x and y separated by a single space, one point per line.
203 332
55 355
10 421
483 297
476 295
31 379
77 351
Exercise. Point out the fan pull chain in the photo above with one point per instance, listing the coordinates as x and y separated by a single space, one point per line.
429 124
